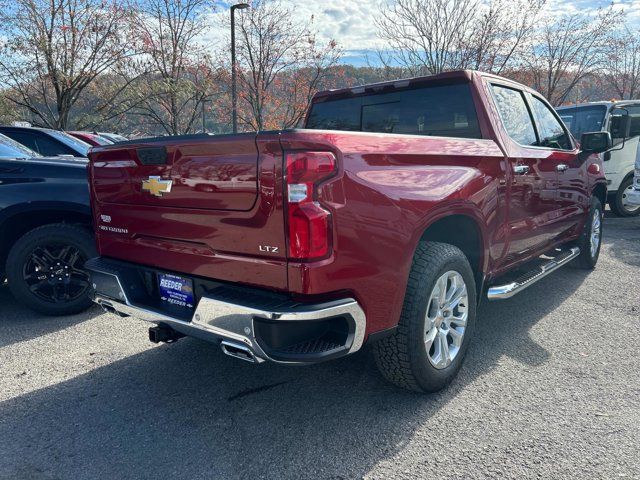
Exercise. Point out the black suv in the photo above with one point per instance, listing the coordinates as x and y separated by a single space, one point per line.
47 142
45 229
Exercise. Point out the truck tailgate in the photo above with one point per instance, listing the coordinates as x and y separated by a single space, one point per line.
199 205
216 174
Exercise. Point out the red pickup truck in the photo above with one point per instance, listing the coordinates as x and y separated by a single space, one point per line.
383 221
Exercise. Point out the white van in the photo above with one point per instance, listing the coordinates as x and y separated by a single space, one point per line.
634 195
619 163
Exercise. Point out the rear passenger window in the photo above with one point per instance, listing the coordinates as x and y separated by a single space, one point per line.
515 115
49 147
445 111
552 133
25 138
41 143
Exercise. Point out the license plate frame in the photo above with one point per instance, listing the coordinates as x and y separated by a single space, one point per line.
176 291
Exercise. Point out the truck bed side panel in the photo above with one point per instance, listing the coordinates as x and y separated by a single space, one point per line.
389 189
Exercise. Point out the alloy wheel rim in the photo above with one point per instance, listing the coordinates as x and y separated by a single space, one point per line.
53 273
625 203
446 319
596 227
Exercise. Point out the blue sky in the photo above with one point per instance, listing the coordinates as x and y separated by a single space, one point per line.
351 22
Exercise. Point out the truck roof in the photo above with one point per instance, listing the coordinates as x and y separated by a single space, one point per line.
605 103
455 75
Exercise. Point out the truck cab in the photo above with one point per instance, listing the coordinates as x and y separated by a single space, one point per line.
619 163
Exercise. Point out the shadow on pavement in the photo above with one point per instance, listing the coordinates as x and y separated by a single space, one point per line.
18 323
623 235
187 411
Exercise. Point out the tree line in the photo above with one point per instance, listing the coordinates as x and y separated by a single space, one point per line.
144 67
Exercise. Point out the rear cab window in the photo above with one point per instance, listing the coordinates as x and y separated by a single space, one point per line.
437 110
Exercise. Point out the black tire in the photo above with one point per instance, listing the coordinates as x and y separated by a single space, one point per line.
67 298
588 259
617 201
403 357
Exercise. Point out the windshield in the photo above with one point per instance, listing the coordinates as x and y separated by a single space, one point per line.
12 149
78 145
579 120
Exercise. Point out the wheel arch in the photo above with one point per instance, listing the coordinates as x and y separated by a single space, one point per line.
20 219
627 177
600 191
463 230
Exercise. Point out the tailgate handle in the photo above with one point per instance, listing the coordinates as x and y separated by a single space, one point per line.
152 155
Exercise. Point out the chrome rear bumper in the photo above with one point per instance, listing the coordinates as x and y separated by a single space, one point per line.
237 324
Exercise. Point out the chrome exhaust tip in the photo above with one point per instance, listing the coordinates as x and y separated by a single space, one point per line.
107 307
238 350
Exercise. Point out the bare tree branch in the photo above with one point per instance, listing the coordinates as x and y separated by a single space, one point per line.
432 36
56 49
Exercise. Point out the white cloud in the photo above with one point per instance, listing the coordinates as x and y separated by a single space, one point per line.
352 23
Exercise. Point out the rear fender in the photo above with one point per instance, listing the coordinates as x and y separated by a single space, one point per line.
464 209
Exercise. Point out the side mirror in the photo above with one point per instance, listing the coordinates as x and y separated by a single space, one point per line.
595 142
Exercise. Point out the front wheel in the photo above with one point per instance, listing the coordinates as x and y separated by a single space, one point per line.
620 204
436 324
45 269
590 241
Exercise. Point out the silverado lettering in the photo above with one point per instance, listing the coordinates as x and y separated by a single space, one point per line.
399 205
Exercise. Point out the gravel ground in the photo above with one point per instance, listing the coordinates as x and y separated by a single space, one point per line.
550 389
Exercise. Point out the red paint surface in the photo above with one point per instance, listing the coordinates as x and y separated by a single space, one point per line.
387 191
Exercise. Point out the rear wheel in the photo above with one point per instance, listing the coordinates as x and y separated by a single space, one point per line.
620 205
437 321
45 269
591 239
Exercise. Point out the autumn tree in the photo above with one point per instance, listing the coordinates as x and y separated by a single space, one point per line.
432 36
180 73
54 49
7 111
109 103
280 63
622 64
569 49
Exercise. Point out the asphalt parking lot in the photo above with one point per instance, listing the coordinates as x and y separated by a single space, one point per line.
550 389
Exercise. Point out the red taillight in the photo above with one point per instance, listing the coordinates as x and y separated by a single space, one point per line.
309 223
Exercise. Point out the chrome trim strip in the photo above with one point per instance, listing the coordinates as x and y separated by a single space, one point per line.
502 292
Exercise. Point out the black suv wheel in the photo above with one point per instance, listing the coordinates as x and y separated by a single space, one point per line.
45 269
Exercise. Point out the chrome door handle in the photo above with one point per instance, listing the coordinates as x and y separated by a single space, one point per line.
562 167
521 169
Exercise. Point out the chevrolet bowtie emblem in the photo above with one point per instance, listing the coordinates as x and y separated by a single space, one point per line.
156 186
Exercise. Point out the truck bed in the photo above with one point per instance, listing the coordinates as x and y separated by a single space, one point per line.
225 215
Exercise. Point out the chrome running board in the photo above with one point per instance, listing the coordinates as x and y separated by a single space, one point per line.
502 292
